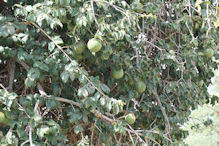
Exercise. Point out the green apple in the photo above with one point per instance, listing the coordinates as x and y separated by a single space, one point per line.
79 47
94 45
117 73
140 87
130 118
209 53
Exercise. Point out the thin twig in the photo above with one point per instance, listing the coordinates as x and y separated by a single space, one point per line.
131 137
25 142
154 45
11 79
30 136
92 133
3 87
190 31
36 107
140 134
43 94
93 13
114 6
208 20
23 110
60 48
114 135
163 111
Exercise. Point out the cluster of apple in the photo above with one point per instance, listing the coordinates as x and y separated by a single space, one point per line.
94 45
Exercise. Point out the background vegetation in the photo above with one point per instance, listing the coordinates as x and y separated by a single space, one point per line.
153 60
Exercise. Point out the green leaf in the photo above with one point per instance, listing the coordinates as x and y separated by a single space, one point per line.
52 104
58 40
108 105
52 123
7 98
90 89
42 131
97 96
22 55
51 46
56 89
74 117
68 67
29 83
55 22
82 92
77 129
6 30
85 118
195 42
102 101
64 76
33 74
72 76
216 24
115 108
42 66
41 17
105 88
82 79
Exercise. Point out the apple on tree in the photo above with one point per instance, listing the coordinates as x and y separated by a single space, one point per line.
79 47
130 118
140 87
94 45
117 73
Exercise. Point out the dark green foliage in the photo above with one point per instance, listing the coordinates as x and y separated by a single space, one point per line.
162 44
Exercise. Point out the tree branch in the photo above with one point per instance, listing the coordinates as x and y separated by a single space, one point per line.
11 78
43 94
60 48
167 123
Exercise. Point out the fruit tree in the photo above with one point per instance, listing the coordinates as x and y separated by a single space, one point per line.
113 72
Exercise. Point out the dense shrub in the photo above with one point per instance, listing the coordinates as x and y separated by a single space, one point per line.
153 59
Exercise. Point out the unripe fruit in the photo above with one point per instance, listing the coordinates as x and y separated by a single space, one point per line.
105 56
200 84
196 26
79 57
94 45
79 47
117 73
70 27
209 53
3 119
130 118
130 82
140 87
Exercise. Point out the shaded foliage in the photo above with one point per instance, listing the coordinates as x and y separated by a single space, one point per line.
60 97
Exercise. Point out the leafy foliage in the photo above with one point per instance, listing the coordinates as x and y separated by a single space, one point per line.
203 126
203 122
57 96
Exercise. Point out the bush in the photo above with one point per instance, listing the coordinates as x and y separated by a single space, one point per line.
203 126
53 95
